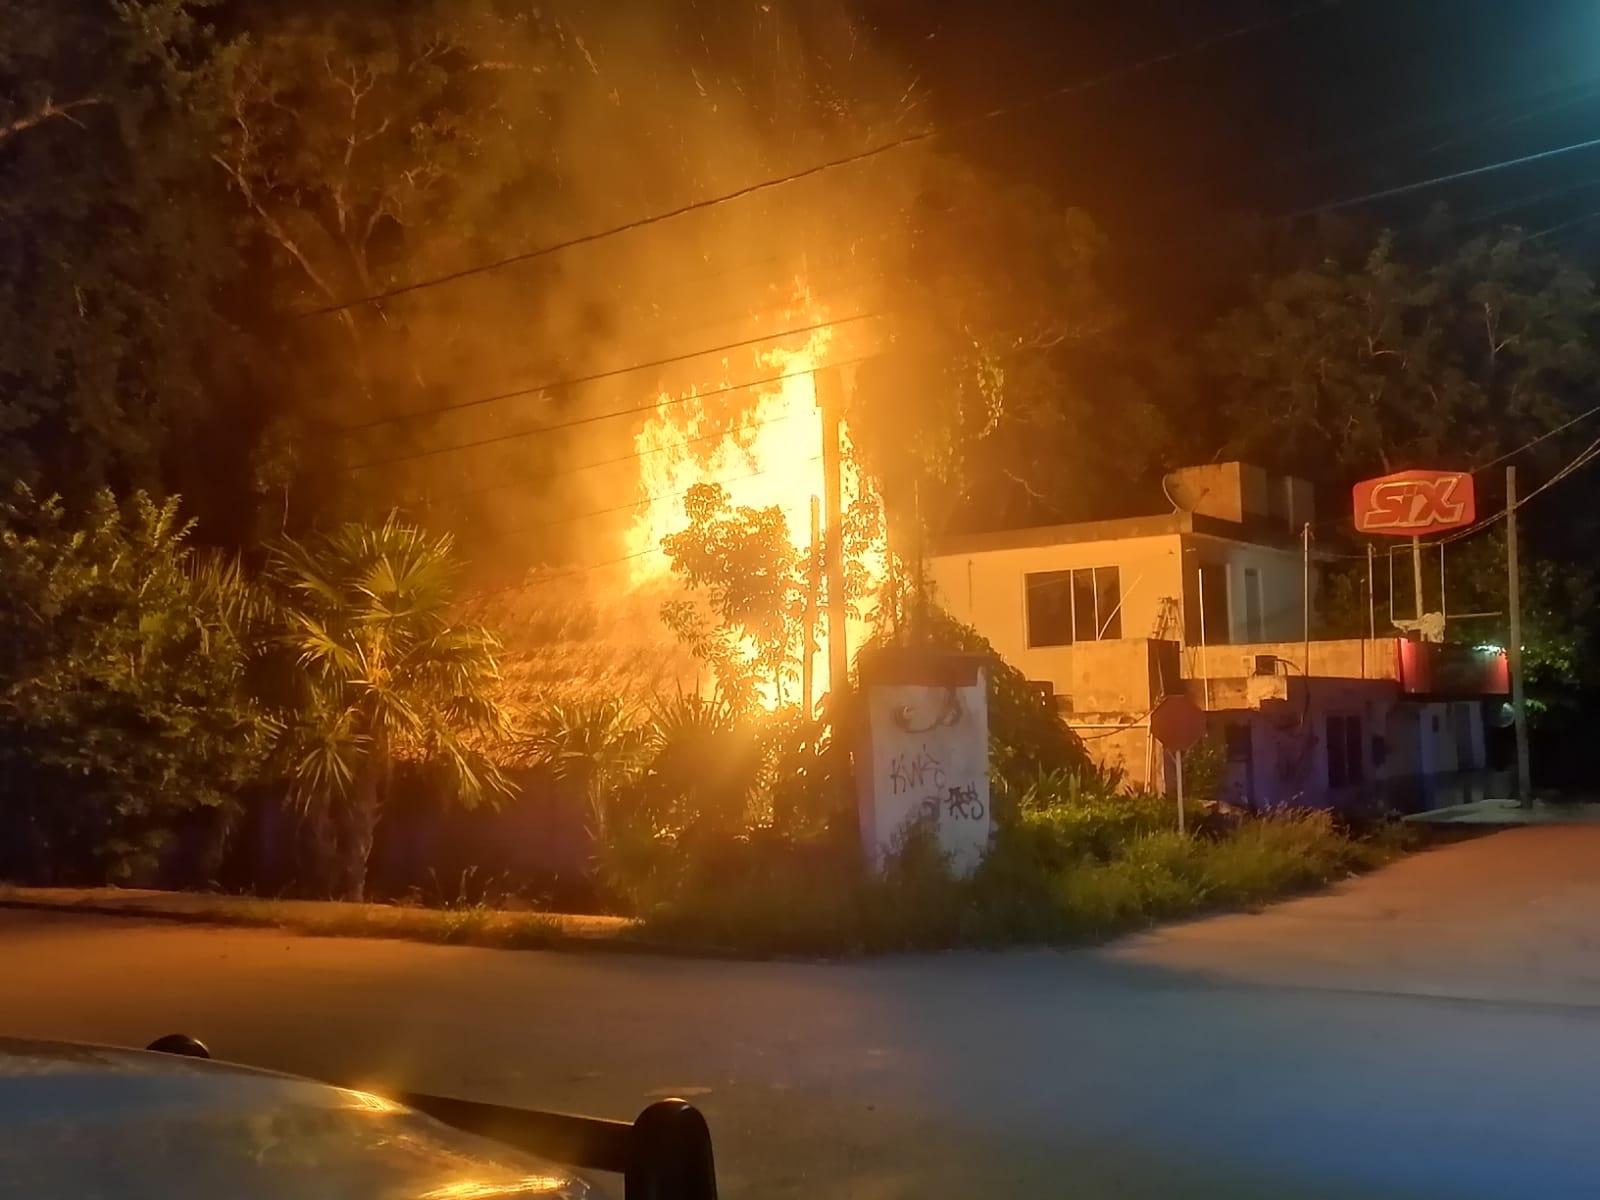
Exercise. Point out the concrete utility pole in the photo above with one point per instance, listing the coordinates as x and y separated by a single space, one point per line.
830 398
1519 711
808 667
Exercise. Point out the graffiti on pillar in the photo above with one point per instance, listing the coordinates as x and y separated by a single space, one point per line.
927 766
911 772
922 772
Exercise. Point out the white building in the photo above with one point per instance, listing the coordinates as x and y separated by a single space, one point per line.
1211 599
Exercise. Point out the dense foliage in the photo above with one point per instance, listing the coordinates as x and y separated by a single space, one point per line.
383 675
123 697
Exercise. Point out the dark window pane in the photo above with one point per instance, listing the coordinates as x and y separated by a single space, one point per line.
1083 623
1049 608
1252 605
1352 748
1344 751
1108 600
1214 605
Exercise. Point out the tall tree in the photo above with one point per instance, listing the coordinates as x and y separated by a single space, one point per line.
107 249
1007 355
1352 367
384 676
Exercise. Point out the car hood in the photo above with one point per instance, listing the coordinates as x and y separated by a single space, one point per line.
87 1121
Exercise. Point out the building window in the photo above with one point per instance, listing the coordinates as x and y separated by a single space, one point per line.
1074 606
1345 764
1206 606
1252 606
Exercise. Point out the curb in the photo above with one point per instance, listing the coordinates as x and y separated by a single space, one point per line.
557 943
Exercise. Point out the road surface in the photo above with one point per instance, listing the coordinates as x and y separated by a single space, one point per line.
1431 1031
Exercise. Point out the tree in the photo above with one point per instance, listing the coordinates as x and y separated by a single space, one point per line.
595 746
383 676
750 574
991 407
1344 369
108 249
124 702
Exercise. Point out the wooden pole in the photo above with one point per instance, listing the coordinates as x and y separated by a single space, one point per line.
1305 600
830 398
1205 666
1519 710
1372 599
808 668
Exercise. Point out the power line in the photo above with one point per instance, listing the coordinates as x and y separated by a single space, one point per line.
612 373
644 501
611 562
632 456
912 139
657 406
1532 442
1452 177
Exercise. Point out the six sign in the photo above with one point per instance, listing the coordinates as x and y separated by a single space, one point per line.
1410 503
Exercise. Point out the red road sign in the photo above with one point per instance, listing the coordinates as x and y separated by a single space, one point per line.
1409 503
1178 723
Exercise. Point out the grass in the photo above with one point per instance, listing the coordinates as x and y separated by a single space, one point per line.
1071 872
477 924
1049 879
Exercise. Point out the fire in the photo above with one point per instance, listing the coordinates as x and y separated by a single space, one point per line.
761 443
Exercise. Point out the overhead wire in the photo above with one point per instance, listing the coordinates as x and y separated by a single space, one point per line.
552 385
1449 177
904 141
541 575
575 422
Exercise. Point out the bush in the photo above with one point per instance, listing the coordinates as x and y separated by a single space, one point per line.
123 697
1051 878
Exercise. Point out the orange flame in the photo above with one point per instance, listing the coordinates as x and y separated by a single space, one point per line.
770 456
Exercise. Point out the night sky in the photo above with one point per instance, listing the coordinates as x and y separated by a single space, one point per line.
1350 97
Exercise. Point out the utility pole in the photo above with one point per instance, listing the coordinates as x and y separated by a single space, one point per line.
829 386
808 668
1305 600
1372 599
1519 711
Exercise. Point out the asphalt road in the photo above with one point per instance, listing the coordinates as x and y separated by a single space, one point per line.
1432 1031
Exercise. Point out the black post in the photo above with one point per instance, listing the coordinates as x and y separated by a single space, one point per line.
671 1155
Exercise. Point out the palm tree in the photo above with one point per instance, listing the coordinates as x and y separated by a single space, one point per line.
595 746
382 674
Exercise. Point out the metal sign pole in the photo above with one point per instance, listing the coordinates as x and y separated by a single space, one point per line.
1416 572
1177 758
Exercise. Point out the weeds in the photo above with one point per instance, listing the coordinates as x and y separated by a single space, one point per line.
1053 877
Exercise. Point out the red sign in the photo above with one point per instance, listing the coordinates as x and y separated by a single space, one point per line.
1178 723
1415 502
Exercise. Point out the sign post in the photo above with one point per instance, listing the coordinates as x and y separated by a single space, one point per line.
1178 724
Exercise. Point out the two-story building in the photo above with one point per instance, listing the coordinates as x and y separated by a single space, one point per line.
1216 598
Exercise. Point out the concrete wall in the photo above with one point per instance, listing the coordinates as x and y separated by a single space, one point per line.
987 591
1344 658
928 759
1407 749
1282 576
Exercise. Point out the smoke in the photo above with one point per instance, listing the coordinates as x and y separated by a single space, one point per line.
560 121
